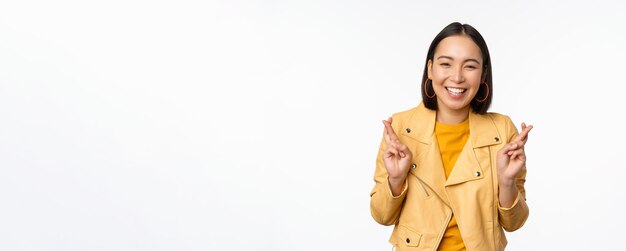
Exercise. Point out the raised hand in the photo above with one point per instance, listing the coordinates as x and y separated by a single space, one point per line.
397 157
511 158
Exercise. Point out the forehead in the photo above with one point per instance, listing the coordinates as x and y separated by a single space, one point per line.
458 47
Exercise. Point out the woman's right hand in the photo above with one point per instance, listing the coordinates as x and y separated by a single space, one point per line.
397 158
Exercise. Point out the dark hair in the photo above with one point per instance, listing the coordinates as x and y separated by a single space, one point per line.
460 29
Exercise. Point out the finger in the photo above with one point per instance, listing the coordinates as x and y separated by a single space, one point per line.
386 154
522 156
519 144
386 134
525 139
391 151
396 145
524 134
507 148
404 150
390 131
399 148
515 153
518 154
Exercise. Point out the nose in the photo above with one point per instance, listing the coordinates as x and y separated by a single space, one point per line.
457 75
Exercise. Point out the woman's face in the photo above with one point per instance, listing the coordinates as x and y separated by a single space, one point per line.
456 71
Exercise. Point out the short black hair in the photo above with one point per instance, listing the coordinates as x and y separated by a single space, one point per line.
453 29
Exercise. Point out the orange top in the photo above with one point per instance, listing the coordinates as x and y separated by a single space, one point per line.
451 140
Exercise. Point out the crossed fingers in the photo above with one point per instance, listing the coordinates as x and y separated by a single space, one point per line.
523 136
392 139
390 135
517 146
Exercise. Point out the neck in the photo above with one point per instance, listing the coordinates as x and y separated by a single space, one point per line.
448 116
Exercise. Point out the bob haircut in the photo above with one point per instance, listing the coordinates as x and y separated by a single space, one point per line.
453 29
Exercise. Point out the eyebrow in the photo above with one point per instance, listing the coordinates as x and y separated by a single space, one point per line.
469 59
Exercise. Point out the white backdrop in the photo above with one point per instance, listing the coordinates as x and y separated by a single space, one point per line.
254 125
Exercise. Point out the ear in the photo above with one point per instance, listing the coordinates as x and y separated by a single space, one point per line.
430 68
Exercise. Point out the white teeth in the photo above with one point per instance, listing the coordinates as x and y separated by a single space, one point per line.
455 90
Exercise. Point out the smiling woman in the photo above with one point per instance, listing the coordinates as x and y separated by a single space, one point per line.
453 178
461 48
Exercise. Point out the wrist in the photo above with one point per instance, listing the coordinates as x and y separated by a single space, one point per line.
507 194
506 182
395 181
396 186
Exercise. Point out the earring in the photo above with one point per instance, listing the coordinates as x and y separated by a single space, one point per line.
426 92
486 96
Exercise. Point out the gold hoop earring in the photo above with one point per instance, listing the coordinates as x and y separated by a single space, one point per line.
426 92
486 96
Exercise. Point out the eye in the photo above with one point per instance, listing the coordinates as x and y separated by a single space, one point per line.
471 67
444 64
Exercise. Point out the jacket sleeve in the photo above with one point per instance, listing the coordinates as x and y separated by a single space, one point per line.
514 217
385 207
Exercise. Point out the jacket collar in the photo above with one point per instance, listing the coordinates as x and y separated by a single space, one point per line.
421 127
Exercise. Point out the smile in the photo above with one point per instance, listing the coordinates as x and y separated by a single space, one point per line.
455 91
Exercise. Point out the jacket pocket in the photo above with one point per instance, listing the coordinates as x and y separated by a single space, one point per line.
408 237
423 187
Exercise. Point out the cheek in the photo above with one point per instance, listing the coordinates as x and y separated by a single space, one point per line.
474 78
439 74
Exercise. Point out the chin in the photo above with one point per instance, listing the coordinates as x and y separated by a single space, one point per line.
456 105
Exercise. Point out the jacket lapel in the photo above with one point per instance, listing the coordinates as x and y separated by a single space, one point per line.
483 133
429 169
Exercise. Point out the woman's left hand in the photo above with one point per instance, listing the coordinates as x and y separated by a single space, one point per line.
511 158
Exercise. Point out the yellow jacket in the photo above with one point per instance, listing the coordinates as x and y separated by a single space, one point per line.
422 211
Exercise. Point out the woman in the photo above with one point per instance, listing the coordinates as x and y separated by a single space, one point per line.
449 175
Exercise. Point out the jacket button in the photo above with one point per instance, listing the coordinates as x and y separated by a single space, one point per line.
408 240
413 166
496 139
477 174
408 130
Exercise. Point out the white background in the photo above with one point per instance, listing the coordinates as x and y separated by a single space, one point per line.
254 125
